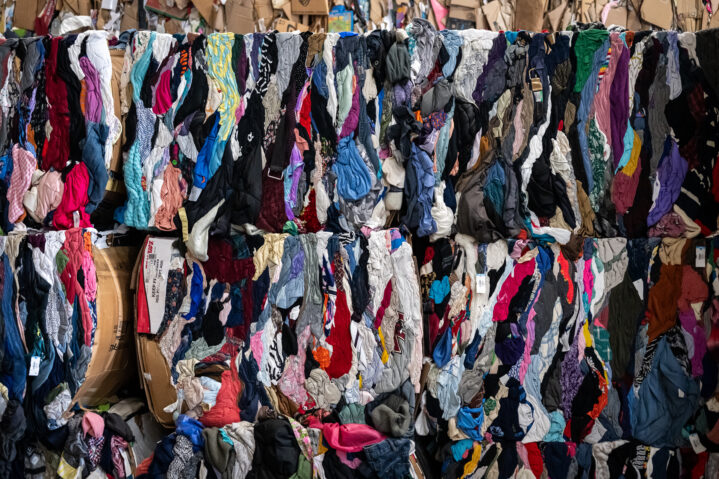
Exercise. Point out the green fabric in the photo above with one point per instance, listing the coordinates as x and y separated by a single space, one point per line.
352 414
596 141
291 228
304 469
587 44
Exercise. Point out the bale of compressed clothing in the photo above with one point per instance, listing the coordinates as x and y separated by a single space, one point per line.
58 331
609 134
59 130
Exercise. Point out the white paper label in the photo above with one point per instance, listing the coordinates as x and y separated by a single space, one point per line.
701 257
696 444
481 284
34 366
109 4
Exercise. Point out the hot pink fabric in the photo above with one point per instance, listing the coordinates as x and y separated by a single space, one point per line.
74 199
510 288
347 437
93 424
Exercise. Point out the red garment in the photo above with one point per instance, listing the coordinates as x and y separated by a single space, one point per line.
163 98
225 410
222 266
57 149
143 315
305 111
71 211
340 339
536 463
73 248
347 437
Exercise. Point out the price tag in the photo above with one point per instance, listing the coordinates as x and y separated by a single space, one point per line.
480 284
696 444
700 260
34 366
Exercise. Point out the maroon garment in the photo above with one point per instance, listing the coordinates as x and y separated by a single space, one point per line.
57 148
222 266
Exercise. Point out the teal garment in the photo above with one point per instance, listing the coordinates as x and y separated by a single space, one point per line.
352 414
556 427
439 289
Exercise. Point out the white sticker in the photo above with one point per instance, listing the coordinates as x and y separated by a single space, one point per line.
696 443
34 366
480 285
701 257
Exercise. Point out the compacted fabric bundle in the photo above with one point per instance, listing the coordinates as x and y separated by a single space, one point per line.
52 327
491 134
58 129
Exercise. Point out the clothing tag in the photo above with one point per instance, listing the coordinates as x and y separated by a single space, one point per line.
34 366
538 96
700 260
76 219
696 443
480 286
109 4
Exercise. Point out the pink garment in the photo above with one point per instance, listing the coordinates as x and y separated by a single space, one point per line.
117 446
71 211
49 193
163 98
293 377
353 464
93 424
601 99
510 288
171 195
88 269
24 164
347 437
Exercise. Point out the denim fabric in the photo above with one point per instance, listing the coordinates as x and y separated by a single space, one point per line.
389 458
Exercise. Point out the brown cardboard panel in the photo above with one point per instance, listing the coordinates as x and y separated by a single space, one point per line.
129 16
465 3
529 15
284 25
25 14
491 13
617 16
239 16
205 7
112 365
310 7
463 13
152 366
555 16
658 12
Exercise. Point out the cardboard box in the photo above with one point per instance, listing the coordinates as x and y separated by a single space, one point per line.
617 16
130 17
658 12
463 13
310 7
284 25
25 13
206 9
529 15
239 16
112 365
153 370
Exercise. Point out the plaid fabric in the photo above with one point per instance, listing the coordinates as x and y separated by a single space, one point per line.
24 165
94 449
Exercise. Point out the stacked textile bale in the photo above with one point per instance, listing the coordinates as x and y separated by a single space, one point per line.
62 325
58 130
525 357
587 133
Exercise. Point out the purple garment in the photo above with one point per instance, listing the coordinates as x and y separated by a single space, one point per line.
670 174
292 181
619 101
571 378
93 96
690 325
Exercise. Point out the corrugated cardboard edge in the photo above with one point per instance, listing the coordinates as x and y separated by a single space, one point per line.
152 367
113 352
